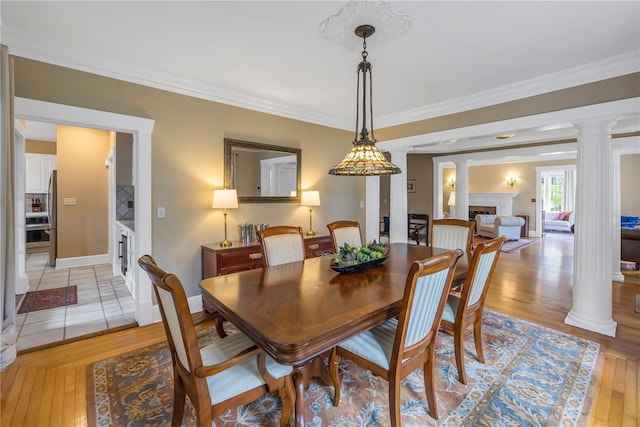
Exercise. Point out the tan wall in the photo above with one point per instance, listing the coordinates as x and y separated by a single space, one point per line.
187 151
39 147
630 184
83 229
188 158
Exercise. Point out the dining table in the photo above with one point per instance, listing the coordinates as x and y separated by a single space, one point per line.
300 310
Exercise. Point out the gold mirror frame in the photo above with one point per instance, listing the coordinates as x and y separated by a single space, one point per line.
229 144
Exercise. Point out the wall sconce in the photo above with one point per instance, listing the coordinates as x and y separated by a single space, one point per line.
452 181
310 198
225 199
511 180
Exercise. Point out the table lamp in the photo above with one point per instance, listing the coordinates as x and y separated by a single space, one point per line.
225 199
310 198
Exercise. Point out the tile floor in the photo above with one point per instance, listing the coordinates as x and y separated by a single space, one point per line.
104 302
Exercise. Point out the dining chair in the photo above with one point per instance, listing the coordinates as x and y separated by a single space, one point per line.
397 347
451 233
281 244
466 309
229 372
344 232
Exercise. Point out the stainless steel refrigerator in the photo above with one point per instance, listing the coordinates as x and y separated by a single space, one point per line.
52 211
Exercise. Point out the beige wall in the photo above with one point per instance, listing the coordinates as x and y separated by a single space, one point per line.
188 157
630 185
83 229
187 152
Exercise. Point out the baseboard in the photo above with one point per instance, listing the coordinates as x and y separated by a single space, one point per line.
82 261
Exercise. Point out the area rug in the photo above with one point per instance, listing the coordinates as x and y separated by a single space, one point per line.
509 246
49 298
532 376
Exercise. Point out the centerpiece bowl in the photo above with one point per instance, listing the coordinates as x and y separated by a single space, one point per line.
351 259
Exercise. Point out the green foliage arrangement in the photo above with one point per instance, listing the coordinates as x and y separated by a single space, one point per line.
350 255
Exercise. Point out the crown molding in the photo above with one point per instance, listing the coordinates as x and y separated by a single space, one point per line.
27 46
615 66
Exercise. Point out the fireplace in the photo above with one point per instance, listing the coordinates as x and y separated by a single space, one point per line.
480 210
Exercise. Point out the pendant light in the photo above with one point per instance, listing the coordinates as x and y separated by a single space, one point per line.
365 158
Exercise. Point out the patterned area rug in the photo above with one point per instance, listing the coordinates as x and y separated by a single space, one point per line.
533 376
49 298
509 246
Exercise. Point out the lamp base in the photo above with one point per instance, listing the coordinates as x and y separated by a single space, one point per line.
225 244
311 233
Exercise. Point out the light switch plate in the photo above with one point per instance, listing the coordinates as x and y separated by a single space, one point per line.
69 201
160 212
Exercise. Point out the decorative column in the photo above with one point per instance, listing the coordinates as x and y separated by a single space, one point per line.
372 208
462 190
398 199
616 274
592 300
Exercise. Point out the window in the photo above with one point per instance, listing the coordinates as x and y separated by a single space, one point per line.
557 189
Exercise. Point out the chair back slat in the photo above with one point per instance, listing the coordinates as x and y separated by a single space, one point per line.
345 232
425 304
484 266
173 324
282 244
452 234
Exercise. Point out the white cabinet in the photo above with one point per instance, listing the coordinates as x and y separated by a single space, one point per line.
38 168
126 253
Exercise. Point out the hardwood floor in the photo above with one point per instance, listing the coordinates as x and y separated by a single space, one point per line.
48 387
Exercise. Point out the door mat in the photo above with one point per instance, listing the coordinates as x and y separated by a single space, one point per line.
532 376
49 298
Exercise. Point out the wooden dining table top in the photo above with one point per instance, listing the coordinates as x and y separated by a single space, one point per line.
298 310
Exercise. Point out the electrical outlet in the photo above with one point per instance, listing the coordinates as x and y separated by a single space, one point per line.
69 201
160 213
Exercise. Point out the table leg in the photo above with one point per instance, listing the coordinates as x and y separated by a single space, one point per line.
298 383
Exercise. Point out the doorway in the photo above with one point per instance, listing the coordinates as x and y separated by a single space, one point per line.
141 129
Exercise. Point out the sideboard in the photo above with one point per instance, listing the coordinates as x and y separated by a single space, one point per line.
217 261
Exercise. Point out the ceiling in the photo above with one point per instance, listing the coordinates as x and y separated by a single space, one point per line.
271 56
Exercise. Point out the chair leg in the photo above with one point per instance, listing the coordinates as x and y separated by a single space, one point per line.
477 337
287 396
458 339
394 401
334 369
179 400
427 373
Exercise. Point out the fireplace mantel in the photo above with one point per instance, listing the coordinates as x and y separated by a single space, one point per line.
502 201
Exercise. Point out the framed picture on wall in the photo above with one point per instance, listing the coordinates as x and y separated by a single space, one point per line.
411 186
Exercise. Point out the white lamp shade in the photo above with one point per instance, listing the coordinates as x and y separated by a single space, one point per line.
310 198
452 198
225 199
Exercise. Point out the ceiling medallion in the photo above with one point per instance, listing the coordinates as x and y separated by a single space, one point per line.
389 24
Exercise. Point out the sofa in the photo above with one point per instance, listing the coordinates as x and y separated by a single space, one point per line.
558 221
494 225
630 245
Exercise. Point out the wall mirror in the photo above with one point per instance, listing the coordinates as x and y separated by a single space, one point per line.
262 173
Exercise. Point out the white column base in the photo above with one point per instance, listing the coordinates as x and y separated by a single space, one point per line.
602 327
617 277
